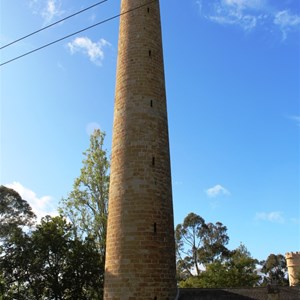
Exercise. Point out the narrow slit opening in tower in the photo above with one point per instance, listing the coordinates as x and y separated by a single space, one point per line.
151 103
150 53
154 230
148 10
153 161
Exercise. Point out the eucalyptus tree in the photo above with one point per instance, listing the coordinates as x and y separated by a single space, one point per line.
199 243
237 270
275 268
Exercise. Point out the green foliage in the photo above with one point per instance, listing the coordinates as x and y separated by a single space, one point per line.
188 242
2 286
198 243
214 238
50 264
242 268
15 213
237 271
203 261
275 269
86 204
58 260
215 276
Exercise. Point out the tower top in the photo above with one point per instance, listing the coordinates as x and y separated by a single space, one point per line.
292 255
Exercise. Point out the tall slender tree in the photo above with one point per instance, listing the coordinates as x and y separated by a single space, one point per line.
86 204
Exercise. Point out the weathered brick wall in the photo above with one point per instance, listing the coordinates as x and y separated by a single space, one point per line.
140 252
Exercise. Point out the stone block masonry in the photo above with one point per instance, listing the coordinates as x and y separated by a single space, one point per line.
293 264
140 252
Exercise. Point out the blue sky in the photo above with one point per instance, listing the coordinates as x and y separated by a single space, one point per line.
232 77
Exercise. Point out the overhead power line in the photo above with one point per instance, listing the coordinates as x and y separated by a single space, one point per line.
50 25
77 32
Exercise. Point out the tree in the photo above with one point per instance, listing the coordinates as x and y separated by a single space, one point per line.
214 276
276 270
86 204
69 268
242 268
2 286
50 246
236 271
198 243
50 263
188 242
14 265
214 238
15 213
203 261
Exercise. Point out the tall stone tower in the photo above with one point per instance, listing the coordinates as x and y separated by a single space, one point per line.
140 251
293 264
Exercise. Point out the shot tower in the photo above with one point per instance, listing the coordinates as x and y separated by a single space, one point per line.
140 251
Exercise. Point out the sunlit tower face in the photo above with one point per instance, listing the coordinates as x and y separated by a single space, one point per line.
140 251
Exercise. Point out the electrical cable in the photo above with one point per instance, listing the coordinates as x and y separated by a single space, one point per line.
50 25
79 31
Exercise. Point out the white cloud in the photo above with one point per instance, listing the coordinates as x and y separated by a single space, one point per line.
200 5
51 10
231 12
286 22
217 190
94 51
249 14
41 206
245 4
247 22
47 9
273 216
235 12
285 19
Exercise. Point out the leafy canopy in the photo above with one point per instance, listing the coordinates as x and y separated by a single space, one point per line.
86 205
275 268
198 243
15 213
49 263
